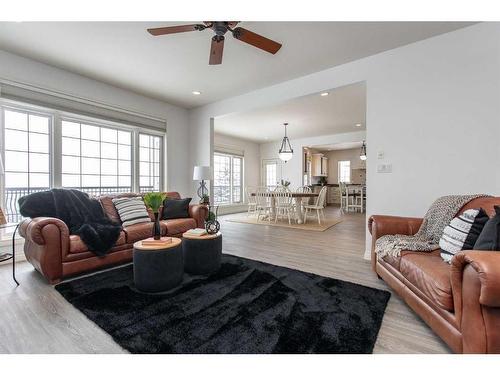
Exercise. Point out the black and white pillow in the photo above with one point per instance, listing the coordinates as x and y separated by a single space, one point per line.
131 210
462 233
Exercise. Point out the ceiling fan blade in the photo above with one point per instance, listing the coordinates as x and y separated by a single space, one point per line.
216 50
256 40
175 29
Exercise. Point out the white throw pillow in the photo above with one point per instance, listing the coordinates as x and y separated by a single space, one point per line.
131 210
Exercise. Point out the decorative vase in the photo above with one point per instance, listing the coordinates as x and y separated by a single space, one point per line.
156 227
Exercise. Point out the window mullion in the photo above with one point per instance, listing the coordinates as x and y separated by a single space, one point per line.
55 152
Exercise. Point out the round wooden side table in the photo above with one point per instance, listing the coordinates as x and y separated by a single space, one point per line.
202 254
158 268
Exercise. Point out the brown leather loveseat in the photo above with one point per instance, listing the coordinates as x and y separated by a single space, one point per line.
461 301
56 254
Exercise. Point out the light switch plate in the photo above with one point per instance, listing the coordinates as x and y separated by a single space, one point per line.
384 168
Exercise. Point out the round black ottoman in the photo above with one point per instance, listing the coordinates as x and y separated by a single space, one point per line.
202 255
158 268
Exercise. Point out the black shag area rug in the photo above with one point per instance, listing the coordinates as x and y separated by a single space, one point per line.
246 307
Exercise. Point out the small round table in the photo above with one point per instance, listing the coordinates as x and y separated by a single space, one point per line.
158 268
202 254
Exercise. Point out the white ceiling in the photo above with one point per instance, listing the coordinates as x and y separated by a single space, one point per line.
308 116
171 67
338 146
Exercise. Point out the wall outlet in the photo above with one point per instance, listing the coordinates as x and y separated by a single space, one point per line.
384 168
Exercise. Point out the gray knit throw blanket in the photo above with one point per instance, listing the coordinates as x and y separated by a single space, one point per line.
439 215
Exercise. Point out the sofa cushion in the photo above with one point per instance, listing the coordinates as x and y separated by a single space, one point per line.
131 211
77 246
109 207
462 232
175 208
177 226
140 231
428 273
489 239
395 261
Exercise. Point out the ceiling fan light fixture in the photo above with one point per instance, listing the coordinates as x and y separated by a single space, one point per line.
286 152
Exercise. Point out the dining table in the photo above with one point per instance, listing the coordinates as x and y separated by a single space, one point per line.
297 196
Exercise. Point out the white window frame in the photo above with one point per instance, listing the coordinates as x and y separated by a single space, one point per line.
266 162
231 179
55 141
340 175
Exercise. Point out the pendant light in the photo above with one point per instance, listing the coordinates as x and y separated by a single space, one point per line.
286 151
362 155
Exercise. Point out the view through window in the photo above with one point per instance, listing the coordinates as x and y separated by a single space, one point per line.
227 178
95 156
345 171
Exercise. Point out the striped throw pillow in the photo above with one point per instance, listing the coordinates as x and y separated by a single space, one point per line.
131 211
462 233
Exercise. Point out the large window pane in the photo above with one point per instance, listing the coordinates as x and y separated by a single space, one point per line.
227 178
104 157
149 162
27 157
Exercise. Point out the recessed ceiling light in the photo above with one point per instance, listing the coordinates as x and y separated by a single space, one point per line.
358 125
196 92
324 94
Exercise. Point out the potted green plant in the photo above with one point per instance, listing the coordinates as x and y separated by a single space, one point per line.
154 200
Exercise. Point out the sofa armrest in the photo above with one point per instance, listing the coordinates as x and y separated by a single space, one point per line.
199 212
381 225
46 239
486 265
33 229
475 284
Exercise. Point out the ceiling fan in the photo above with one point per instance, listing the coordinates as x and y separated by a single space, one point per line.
220 28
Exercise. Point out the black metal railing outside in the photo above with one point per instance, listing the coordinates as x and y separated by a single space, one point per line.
11 196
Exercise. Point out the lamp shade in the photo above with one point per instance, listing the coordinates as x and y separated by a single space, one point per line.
202 172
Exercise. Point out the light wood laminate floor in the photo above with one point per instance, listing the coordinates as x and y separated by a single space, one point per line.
36 319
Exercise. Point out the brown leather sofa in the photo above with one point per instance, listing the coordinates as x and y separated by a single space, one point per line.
56 254
461 301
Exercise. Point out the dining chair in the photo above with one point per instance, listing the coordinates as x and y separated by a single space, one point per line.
344 197
263 199
318 206
356 194
284 204
301 202
251 199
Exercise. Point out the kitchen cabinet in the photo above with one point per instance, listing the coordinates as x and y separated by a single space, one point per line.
319 165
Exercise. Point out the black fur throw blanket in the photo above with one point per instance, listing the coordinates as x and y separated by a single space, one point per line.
83 216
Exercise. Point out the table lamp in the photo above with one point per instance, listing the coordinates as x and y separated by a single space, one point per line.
202 173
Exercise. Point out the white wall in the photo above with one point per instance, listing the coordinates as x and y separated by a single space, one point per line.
251 153
27 71
292 170
432 107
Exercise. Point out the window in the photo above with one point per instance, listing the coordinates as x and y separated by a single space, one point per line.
96 159
43 148
26 156
345 171
228 178
149 162
270 174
